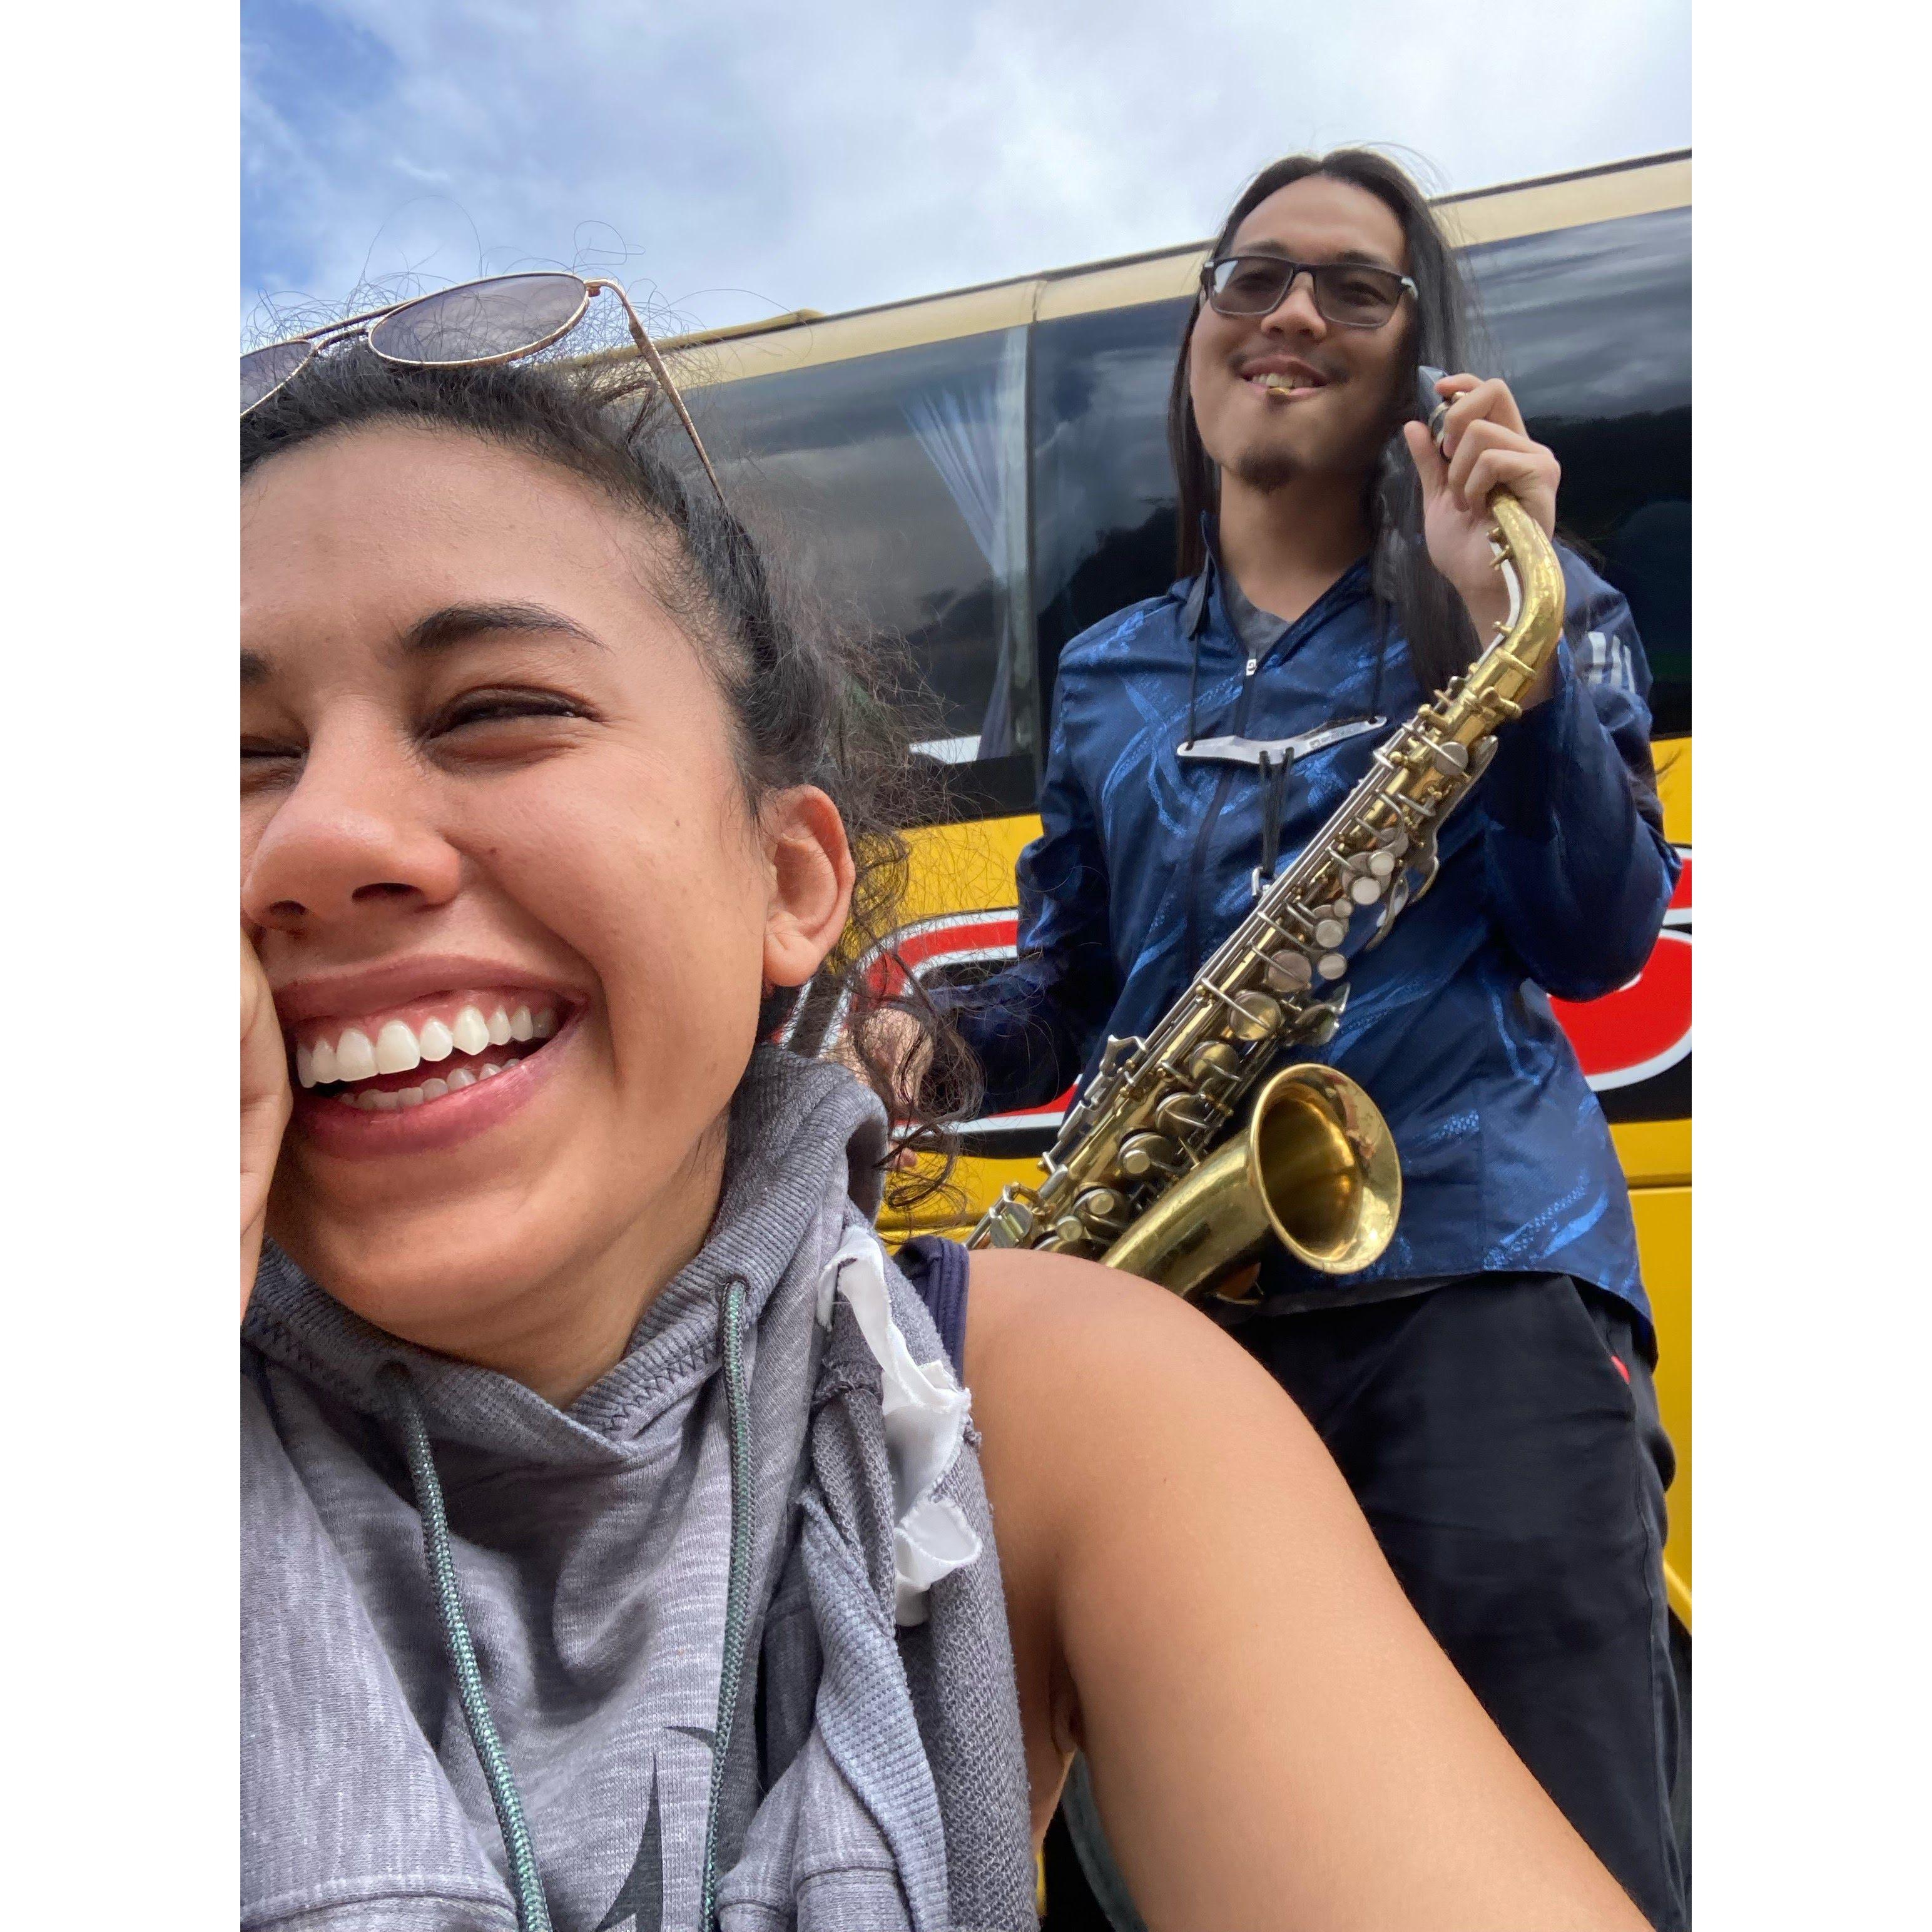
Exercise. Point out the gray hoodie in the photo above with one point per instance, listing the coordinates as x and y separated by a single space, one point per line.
537 1718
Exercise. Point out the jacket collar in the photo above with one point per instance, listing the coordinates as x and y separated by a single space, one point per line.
1201 592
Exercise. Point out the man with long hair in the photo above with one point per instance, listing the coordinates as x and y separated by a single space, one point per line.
1485 1386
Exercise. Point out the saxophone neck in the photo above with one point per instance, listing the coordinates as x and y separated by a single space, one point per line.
1530 559
1526 557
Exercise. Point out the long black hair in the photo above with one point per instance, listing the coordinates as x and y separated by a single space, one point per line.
1441 640
795 688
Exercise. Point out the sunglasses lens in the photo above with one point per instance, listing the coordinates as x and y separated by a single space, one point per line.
1362 297
479 321
265 371
1249 285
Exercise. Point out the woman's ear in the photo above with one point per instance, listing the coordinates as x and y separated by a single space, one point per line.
811 870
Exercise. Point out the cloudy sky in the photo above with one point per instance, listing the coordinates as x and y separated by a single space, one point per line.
735 160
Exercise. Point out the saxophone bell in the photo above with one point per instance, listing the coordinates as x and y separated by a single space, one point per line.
1315 1167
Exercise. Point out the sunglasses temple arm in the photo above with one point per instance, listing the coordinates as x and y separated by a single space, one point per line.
648 351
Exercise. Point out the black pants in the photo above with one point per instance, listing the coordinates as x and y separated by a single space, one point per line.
1514 1477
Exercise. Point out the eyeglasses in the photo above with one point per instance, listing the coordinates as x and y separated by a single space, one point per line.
475 323
1351 294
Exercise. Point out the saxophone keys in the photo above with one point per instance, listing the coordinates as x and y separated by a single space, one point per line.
1331 965
1144 1153
1182 1113
1100 1210
1214 1060
1253 1016
1331 931
1393 841
1009 1224
1450 759
1381 863
1318 1029
1290 973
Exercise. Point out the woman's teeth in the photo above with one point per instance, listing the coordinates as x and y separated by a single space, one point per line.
399 1048
378 1101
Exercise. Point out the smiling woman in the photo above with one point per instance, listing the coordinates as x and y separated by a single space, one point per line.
616 1549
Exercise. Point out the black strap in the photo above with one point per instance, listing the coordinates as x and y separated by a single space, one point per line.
937 1270
1381 656
1274 783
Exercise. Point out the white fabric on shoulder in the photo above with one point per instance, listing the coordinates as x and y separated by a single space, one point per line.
925 1412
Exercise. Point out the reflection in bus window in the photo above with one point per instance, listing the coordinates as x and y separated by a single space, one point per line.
1103 488
1591 326
894 485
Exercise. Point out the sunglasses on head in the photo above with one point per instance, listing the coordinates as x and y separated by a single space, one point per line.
1353 295
475 323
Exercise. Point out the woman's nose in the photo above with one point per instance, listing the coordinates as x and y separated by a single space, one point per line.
353 840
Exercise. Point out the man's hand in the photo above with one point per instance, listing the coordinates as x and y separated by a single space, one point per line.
265 1101
1485 448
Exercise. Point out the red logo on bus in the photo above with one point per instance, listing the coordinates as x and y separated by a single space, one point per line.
1643 1028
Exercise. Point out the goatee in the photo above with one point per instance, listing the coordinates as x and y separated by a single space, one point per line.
1265 471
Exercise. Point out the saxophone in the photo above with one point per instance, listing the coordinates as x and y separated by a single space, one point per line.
1146 1175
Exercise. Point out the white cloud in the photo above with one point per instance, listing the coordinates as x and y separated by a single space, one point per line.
766 157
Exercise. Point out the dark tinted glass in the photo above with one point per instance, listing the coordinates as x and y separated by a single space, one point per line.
476 322
895 484
1103 486
265 371
1592 327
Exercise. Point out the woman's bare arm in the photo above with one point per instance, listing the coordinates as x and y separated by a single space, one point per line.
1198 1604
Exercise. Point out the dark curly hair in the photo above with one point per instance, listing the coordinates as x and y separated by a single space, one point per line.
798 691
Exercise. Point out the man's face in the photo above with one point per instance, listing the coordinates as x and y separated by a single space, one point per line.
1341 408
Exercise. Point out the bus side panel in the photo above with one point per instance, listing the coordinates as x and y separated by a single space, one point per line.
1664 1239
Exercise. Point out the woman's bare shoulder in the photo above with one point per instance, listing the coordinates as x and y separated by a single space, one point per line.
1104 1344
1098 1394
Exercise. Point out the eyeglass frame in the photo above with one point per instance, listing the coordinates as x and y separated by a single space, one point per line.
1296 270
331 335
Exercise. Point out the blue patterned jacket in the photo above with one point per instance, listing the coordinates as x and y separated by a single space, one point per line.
1554 876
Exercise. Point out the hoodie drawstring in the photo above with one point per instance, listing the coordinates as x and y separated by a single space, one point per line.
737 1587
533 1909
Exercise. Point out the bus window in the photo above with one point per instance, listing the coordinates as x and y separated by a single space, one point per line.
1103 488
894 485
1591 325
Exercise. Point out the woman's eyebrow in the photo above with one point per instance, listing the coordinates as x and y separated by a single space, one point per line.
462 623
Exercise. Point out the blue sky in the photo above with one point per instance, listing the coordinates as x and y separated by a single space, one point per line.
737 161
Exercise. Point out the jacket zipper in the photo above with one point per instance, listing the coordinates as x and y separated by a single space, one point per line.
1197 858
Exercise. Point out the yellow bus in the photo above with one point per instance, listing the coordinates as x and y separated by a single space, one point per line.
984 473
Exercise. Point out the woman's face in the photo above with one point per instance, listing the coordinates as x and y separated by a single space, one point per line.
491 819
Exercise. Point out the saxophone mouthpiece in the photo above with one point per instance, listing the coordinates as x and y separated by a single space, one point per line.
1430 407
